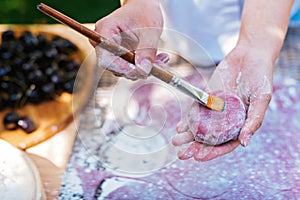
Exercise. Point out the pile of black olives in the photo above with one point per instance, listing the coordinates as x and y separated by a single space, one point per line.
34 68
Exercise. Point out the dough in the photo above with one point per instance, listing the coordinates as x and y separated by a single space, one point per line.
213 127
19 177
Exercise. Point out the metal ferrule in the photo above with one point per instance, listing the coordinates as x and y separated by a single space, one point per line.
192 91
175 81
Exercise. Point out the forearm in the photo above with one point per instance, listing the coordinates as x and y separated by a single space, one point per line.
264 25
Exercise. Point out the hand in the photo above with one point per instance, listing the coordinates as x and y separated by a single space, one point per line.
248 73
137 26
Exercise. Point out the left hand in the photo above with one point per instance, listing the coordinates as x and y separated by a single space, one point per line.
248 73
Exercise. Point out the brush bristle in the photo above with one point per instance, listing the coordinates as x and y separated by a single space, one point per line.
215 103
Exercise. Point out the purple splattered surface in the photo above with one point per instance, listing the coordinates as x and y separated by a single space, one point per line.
269 168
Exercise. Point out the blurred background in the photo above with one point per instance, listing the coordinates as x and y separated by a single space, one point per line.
25 12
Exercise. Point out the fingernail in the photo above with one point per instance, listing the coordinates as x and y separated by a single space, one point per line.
181 127
245 141
162 58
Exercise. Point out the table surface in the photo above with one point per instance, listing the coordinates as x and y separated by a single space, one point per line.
51 158
267 168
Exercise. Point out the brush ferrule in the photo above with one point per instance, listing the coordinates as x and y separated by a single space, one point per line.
175 81
192 91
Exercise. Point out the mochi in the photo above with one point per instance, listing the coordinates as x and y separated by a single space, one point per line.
213 127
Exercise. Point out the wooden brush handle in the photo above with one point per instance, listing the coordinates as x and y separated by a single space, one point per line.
161 74
156 70
114 48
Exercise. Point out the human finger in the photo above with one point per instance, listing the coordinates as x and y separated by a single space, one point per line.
162 58
182 126
183 138
189 150
211 152
255 115
115 64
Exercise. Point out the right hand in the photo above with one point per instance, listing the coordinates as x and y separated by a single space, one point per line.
137 26
246 71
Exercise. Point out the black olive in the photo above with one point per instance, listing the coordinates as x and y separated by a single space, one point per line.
8 35
69 86
29 41
42 40
48 90
26 124
71 66
56 78
10 120
63 45
50 71
36 76
5 70
17 62
51 53
6 55
5 85
14 98
19 48
28 67
36 54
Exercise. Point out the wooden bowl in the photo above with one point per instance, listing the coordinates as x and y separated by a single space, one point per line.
53 116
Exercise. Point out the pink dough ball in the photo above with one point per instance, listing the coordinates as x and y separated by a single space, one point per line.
213 127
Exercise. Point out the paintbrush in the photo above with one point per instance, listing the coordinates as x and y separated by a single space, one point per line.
211 102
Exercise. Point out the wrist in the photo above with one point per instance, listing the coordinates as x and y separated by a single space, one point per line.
254 56
262 47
